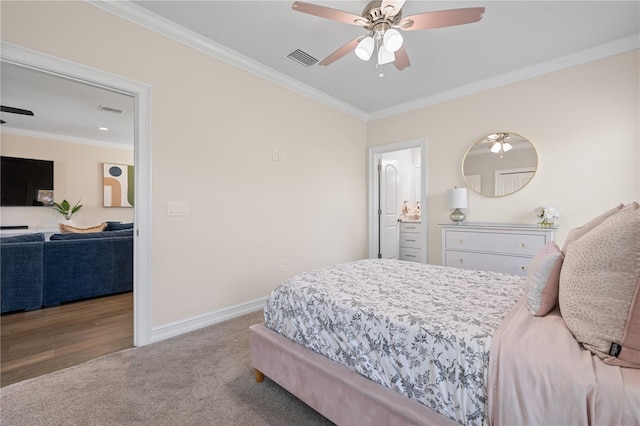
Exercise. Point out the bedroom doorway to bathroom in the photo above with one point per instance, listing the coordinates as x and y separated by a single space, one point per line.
397 188
76 72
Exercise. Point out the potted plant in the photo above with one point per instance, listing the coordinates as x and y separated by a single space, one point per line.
65 209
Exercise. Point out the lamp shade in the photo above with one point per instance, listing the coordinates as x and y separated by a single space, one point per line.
384 56
392 40
457 198
364 49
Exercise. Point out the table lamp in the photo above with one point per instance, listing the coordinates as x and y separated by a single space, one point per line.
457 199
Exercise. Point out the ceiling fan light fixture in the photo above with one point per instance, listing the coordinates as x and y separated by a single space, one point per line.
495 147
364 49
384 56
392 40
506 146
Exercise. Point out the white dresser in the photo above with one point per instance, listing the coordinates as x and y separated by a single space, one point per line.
412 243
494 247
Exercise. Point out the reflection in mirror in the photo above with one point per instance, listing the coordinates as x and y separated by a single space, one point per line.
499 164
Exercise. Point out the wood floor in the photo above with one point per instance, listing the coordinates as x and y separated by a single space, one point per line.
39 342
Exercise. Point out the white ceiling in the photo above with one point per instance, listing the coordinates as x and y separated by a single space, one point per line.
514 40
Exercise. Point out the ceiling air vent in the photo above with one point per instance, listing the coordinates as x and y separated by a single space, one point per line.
302 57
111 110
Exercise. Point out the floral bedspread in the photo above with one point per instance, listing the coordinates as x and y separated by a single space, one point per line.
422 330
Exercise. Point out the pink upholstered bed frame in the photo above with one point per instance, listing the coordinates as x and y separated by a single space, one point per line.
341 395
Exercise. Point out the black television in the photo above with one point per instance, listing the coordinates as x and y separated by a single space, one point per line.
26 182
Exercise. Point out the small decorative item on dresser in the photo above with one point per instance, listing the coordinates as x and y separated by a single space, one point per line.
546 216
457 199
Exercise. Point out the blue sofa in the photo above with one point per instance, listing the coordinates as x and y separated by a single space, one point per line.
22 272
68 267
81 266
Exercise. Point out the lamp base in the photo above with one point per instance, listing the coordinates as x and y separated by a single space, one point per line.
457 216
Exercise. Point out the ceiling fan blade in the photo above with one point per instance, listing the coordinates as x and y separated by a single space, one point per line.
402 59
395 4
349 47
329 13
441 18
15 110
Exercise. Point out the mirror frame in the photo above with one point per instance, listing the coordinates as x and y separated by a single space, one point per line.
483 140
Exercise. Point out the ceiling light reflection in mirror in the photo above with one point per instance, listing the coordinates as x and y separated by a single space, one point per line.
499 164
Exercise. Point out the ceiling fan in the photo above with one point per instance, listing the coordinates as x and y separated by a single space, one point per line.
499 143
382 19
13 110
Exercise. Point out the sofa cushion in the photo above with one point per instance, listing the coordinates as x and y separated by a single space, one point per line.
118 226
68 229
23 238
21 276
93 235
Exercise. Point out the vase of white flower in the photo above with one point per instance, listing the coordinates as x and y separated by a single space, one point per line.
546 216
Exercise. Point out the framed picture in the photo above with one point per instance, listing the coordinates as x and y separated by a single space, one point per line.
118 185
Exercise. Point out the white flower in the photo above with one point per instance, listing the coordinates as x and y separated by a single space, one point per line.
546 213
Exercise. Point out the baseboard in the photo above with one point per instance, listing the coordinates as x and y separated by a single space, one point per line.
190 324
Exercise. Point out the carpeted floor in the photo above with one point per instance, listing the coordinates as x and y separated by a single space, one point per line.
200 378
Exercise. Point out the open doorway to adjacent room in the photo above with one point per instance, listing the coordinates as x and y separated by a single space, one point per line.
36 342
397 201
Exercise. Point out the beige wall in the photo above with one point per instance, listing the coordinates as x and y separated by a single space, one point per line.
213 131
214 128
583 122
77 175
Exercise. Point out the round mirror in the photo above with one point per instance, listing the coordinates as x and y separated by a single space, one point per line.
499 164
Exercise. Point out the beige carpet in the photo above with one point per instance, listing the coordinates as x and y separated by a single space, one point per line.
200 378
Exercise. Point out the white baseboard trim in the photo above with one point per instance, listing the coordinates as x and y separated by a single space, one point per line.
190 324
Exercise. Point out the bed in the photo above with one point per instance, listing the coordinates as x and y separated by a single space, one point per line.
390 342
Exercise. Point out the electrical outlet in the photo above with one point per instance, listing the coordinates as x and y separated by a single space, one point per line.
277 155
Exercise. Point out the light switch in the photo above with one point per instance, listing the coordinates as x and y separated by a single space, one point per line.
178 208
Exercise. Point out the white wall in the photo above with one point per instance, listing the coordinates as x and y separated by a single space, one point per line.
583 122
77 176
214 127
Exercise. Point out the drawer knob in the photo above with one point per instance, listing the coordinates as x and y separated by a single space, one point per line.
523 245
413 241
522 267
460 261
461 241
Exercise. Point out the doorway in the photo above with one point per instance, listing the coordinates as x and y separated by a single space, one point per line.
397 179
38 61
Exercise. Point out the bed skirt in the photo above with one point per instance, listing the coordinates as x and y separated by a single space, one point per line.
341 395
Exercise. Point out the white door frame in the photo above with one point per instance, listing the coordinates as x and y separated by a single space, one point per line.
43 62
372 207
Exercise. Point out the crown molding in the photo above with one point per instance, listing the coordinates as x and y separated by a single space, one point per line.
64 138
149 20
154 22
584 56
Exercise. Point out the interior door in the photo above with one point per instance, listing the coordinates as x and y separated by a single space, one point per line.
389 210
509 182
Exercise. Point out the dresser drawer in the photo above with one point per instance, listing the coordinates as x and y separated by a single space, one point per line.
508 243
514 265
410 240
410 254
413 227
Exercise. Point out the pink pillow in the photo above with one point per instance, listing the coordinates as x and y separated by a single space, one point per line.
576 233
543 279
600 289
